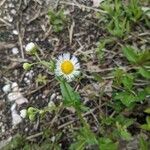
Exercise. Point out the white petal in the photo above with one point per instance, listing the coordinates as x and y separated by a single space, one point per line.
74 59
60 58
77 66
76 73
66 56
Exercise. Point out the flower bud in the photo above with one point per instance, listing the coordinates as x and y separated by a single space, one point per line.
31 48
27 66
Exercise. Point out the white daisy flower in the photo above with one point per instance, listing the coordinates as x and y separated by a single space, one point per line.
67 67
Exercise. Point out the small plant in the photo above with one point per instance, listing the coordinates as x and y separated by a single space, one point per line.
120 18
66 69
58 20
141 59
133 11
41 79
147 125
85 137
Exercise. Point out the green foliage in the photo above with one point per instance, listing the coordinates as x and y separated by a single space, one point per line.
71 98
20 143
99 50
144 145
120 17
85 137
130 54
147 125
147 110
41 79
107 144
57 19
16 143
133 10
33 112
141 59
122 132
144 72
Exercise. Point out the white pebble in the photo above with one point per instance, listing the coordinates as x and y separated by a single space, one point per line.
13 107
15 87
15 32
14 96
13 11
6 88
15 50
16 119
53 96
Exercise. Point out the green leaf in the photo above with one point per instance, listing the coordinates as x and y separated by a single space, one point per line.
122 132
130 54
145 127
124 121
84 137
126 98
70 97
107 144
145 73
147 110
127 81
143 144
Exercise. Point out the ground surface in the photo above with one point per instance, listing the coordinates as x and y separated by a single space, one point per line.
24 21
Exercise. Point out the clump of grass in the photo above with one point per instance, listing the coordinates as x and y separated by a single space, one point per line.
58 20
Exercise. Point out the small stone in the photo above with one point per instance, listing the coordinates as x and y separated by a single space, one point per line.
13 107
16 119
13 11
13 96
17 97
15 32
6 88
10 19
14 87
53 96
15 50
3 129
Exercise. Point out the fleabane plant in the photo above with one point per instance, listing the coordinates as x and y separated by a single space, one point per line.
66 68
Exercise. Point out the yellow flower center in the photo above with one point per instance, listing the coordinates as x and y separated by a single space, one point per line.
67 67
